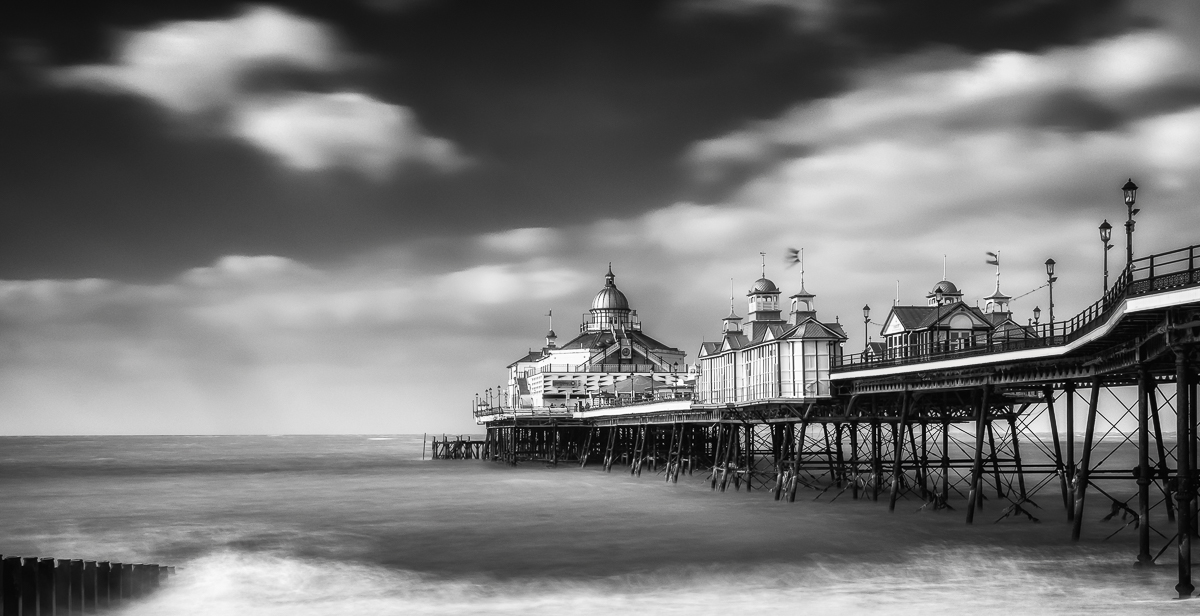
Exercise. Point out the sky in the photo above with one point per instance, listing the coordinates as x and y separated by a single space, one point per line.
349 217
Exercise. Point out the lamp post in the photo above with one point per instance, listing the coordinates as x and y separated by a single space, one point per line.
1050 279
1105 235
1037 315
937 297
866 334
1130 190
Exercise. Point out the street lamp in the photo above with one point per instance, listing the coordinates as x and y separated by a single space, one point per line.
1105 235
866 334
1130 190
937 297
1037 314
1050 279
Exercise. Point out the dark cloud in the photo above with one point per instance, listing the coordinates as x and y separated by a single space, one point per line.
568 111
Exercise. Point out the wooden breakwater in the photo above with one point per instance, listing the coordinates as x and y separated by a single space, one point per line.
33 586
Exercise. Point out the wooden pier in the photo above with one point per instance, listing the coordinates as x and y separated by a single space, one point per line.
33 586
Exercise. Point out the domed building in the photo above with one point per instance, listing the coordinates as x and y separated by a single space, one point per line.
611 356
768 359
946 323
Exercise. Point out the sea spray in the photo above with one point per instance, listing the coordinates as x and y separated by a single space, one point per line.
930 581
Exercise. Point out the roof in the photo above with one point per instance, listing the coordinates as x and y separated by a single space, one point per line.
594 340
530 356
921 317
762 285
946 287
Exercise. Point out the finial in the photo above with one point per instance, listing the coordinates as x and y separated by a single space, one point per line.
943 267
731 296
802 290
764 263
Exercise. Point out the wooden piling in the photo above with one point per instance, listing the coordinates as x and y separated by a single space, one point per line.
10 584
45 586
89 587
62 586
1143 468
1186 436
981 425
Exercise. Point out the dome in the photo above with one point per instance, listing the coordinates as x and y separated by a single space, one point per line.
610 297
762 285
551 334
945 287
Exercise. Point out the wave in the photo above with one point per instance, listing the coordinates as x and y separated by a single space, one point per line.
933 581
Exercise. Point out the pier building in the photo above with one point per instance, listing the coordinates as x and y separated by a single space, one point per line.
769 358
611 358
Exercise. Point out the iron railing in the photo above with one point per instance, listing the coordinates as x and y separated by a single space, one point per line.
1148 275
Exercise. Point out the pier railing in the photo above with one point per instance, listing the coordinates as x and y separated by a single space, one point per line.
1158 273
60 586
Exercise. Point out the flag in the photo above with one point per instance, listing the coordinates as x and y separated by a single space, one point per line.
550 313
993 259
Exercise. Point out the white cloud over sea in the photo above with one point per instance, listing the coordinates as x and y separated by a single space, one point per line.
940 153
208 73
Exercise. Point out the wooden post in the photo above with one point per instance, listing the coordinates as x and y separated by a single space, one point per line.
1186 438
1085 461
981 424
126 581
29 586
10 581
75 596
103 584
62 586
1143 474
45 586
89 587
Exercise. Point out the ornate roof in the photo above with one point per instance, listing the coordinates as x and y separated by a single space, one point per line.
610 297
762 285
946 287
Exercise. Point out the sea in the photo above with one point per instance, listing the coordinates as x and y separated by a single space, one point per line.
332 525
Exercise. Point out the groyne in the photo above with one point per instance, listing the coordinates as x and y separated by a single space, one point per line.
36 586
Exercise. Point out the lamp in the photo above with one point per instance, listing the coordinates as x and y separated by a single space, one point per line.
866 333
1050 280
1130 191
1105 236
1037 314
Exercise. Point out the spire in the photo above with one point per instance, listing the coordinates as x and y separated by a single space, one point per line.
802 271
764 263
943 267
609 277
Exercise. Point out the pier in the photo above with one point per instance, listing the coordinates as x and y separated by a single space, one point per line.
1033 418
33 586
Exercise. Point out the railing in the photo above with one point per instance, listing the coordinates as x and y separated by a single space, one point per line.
1148 275
615 368
595 403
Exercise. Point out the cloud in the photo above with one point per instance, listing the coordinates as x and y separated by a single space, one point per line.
313 131
205 70
942 92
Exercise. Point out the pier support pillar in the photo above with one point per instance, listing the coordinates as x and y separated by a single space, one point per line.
1186 436
1143 475
1085 461
981 426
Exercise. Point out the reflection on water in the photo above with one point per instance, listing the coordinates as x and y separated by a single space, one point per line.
341 524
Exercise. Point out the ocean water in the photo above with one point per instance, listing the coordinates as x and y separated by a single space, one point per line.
310 525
